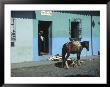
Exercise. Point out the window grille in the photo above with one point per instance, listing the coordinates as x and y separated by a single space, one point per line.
78 32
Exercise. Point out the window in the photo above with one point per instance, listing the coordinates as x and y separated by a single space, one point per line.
76 29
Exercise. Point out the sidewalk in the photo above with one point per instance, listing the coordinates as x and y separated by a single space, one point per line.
38 63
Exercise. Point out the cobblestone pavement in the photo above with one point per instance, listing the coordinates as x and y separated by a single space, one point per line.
90 67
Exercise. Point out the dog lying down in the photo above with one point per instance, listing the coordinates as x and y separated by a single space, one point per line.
72 63
69 62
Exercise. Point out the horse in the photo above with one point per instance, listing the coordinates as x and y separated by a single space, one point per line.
69 48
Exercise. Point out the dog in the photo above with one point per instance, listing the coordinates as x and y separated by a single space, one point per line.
71 63
55 58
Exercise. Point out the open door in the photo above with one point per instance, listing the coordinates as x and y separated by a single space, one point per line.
45 46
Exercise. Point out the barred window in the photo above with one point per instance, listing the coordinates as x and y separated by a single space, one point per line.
76 29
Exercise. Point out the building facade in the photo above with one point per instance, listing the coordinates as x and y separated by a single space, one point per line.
58 27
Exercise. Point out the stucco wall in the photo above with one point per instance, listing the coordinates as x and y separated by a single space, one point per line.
23 46
96 35
26 45
60 32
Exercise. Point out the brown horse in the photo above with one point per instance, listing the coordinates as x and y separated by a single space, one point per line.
70 48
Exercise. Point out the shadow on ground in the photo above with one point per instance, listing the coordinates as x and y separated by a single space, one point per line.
58 64
79 75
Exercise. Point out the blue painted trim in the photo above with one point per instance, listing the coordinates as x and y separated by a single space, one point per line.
57 44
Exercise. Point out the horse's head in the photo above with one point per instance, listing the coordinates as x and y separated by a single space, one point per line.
85 44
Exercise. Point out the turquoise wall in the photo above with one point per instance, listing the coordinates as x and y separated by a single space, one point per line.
60 32
26 45
96 35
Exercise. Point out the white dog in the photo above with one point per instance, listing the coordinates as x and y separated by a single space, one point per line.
55 58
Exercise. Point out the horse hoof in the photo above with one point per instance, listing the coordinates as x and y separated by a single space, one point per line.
78 63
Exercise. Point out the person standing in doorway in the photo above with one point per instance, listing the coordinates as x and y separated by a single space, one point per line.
41 42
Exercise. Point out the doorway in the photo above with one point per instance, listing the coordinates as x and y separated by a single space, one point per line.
45 46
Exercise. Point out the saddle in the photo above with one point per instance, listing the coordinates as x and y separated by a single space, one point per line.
73 45
75 42
76 45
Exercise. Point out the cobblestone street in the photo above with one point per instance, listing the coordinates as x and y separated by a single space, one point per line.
90 67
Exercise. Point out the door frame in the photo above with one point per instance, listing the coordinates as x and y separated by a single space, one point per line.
49 36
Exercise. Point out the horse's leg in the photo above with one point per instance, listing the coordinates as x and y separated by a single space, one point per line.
64 59
78 59
68 54
63 56
63 62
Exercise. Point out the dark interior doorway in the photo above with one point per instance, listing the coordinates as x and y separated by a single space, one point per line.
75 30
44 48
